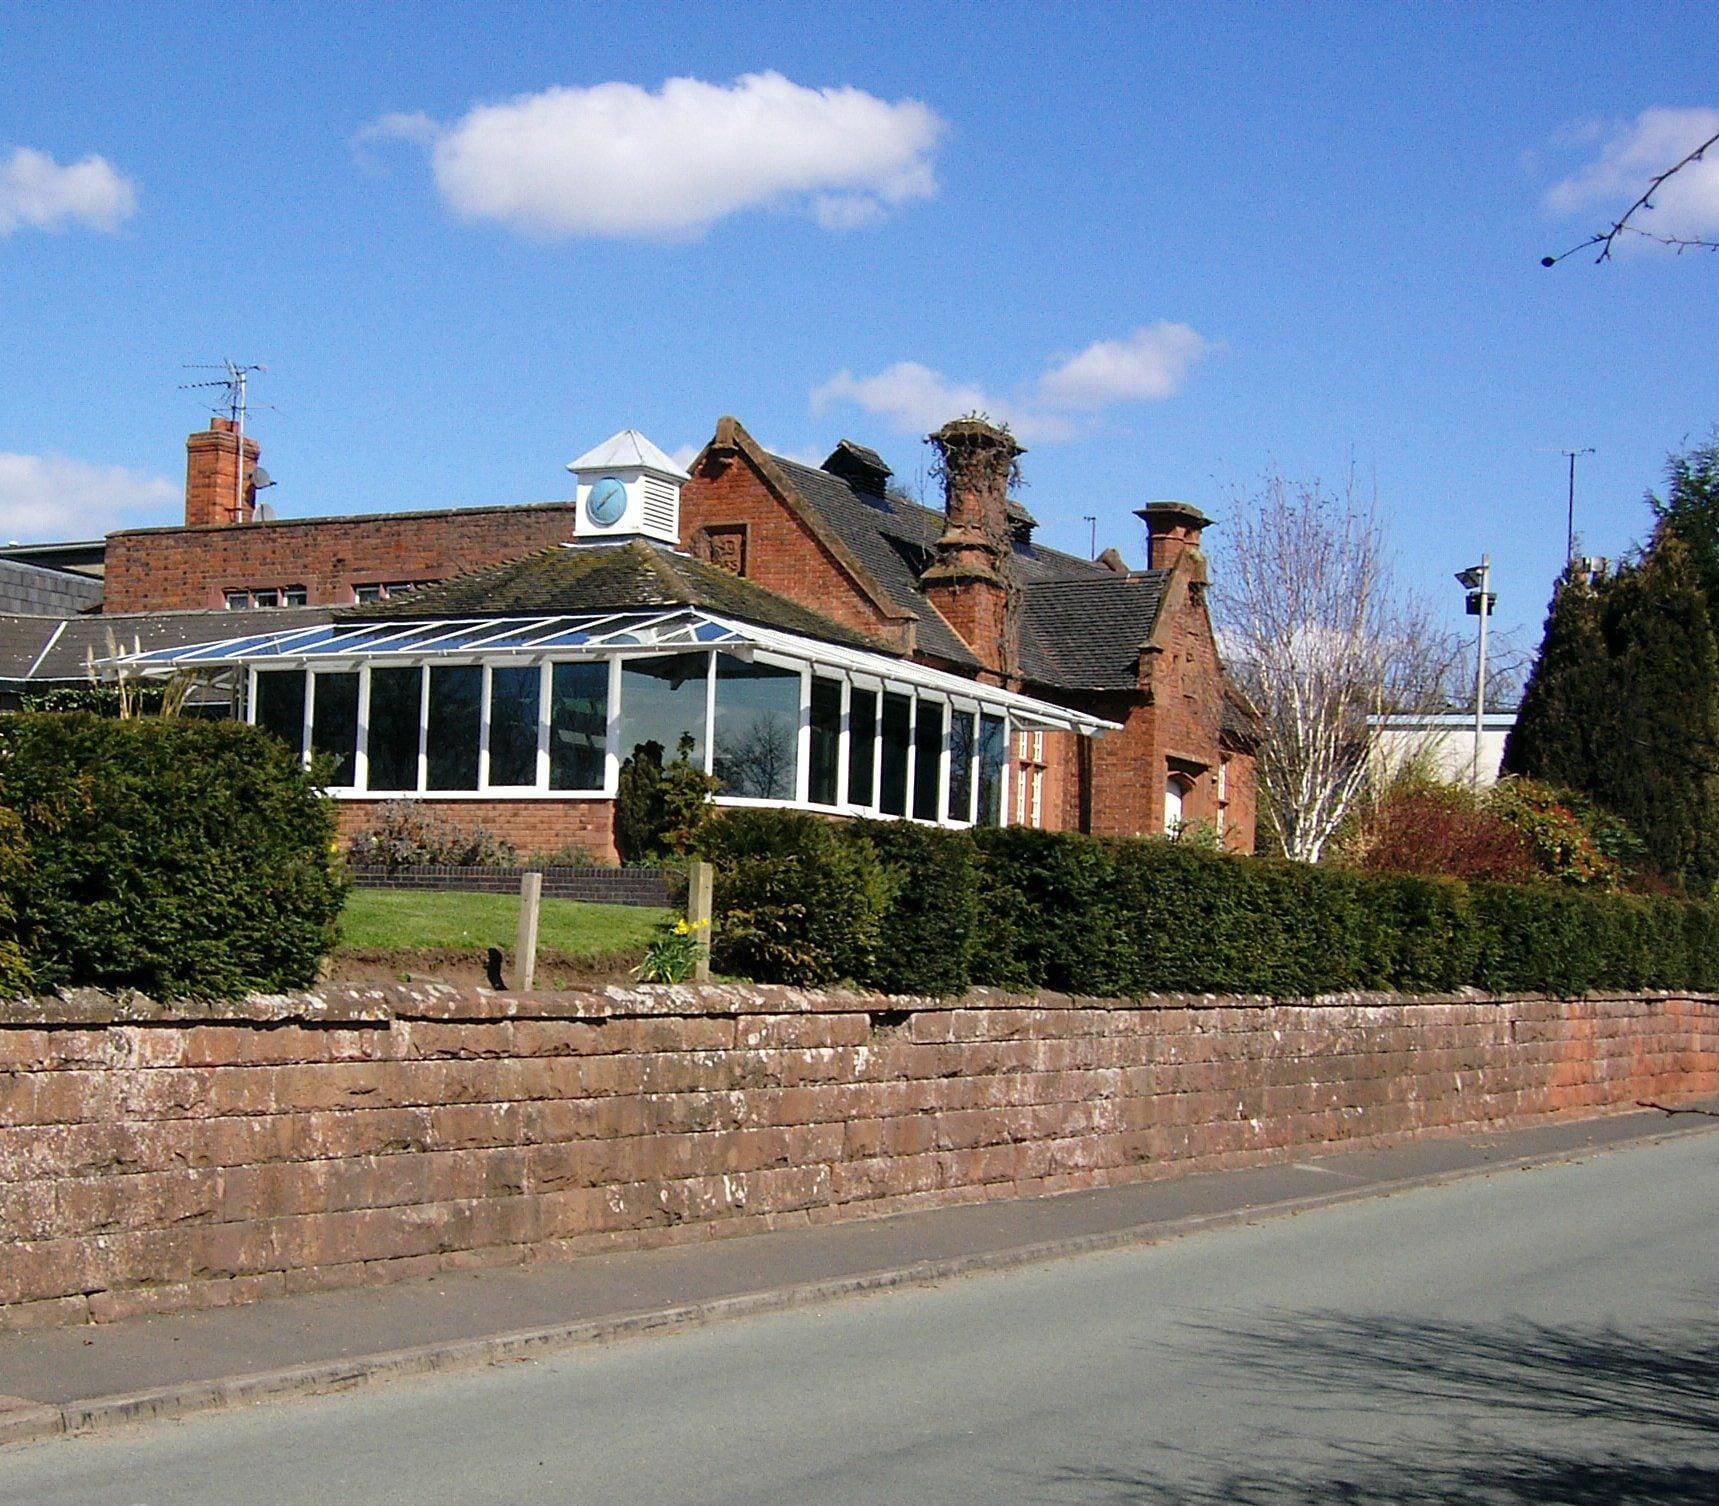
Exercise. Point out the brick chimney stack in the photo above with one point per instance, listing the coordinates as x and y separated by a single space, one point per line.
970 581
1173 529
214 491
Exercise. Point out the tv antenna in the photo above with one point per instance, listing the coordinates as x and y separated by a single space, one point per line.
1570 530
1091 520
233 383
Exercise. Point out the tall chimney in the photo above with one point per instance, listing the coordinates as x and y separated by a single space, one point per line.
215 492
969 583
1172 529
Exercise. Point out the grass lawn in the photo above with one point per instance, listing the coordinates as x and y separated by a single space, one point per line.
406 919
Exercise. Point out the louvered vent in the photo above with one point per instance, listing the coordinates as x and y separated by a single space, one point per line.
660 507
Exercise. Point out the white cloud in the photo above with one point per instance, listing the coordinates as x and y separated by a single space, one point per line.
36 191
52 497
618 160
1148 365
1632 155
1145 367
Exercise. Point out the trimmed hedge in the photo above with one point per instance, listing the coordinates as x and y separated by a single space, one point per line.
181 857
1017 908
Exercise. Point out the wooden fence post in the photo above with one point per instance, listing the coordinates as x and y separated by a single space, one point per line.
700 884
525 948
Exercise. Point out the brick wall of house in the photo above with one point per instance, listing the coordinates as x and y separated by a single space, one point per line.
153 1159
533 827
176 569
729 514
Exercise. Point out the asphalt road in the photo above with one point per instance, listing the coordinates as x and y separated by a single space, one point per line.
1543 1335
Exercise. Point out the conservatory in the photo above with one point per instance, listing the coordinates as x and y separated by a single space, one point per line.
548 707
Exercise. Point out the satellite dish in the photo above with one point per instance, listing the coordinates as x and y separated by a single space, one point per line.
265 512
261 478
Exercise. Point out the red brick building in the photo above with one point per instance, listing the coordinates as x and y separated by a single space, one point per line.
966 591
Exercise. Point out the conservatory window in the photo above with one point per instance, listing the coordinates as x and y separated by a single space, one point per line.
455 724
396 710
993 751
862 747
515 692
280 705
961 747
928 761
578 725
757 729
334 725
897 736
662 703
826 742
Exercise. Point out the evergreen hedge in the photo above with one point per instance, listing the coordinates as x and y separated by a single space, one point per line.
181 857
1020 909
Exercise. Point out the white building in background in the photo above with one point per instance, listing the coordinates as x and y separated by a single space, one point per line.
1442 745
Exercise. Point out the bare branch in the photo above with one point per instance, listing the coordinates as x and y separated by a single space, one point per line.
1605 239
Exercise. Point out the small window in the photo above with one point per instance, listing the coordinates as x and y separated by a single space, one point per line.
266 598
295 596
369 593
238 601
1176 790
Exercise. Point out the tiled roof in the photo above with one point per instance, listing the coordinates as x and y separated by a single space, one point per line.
1082 624
59 648
609 577
27 588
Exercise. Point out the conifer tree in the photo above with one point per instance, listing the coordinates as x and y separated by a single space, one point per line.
1657 766
1691 511
1566 702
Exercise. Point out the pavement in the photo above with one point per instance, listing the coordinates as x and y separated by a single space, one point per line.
86 1379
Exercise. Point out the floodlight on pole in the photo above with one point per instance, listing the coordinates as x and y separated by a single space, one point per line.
1477 580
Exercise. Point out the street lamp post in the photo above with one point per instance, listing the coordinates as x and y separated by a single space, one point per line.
1481 601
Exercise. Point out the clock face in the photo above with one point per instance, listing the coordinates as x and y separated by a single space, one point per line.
607 501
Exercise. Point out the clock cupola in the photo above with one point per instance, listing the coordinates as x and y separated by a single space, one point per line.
626 487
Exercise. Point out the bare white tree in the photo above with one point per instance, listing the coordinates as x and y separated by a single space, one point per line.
1319 641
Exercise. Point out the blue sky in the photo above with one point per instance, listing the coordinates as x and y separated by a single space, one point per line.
1176 244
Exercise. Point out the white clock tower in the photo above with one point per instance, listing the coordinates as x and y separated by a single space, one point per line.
625 487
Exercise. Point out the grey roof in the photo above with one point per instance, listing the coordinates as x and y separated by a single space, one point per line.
38 591
1086 634
56 650
1082 623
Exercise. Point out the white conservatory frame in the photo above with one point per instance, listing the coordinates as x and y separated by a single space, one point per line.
616 639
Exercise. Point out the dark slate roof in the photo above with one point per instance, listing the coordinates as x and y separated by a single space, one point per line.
1086 634
32 589
58 648
1082 623
609 577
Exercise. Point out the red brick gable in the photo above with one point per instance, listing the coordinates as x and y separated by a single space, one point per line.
739 507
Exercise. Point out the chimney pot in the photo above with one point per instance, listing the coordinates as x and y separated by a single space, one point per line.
1172 529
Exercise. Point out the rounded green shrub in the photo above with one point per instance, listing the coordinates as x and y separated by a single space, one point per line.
795 900
179 857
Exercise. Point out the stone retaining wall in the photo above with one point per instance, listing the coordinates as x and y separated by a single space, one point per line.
156 1157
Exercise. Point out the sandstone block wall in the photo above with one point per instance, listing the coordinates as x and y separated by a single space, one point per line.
156 1157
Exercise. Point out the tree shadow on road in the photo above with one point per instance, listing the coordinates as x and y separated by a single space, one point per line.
1502 1414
